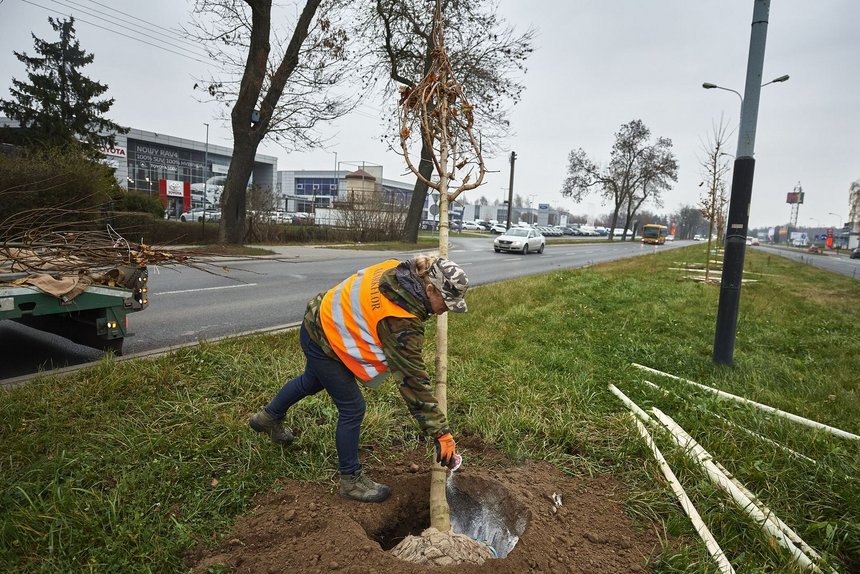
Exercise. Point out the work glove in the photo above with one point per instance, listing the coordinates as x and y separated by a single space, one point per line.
446 450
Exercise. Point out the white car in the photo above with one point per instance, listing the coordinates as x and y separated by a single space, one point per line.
498 228
471 226
520 240
197 214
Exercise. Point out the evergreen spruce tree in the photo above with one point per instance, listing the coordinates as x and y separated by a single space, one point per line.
58 106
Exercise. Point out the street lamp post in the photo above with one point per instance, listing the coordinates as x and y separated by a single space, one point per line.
837 215
741 191
710 86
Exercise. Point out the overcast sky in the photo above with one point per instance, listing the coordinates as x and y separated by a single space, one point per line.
598 64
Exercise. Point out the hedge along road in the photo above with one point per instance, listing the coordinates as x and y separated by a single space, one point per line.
188 305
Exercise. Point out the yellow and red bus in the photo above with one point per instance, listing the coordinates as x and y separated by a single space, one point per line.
654 233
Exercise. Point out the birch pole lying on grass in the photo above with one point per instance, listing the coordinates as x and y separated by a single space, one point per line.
438 112
792 417
695 450
735 425
701 528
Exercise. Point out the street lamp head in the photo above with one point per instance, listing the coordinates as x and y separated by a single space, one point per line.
776 80
709 86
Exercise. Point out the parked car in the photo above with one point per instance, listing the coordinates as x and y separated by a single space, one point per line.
520 240
856 253
471 226
498 228
198 213
302 218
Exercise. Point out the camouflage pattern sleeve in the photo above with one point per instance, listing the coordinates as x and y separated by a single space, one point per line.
314 327
403 343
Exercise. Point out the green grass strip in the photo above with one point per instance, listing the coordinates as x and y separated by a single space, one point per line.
123 466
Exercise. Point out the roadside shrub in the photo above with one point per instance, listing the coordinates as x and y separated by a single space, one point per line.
135 201
53 189
144 228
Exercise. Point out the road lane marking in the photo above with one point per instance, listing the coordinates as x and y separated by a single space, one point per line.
204 289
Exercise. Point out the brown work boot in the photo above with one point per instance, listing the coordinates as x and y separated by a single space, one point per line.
359 486
263 422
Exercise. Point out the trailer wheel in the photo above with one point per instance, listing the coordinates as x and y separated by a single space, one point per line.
113 345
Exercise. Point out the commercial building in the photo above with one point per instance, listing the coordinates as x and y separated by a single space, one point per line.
319 191
853 224
176 169
181 171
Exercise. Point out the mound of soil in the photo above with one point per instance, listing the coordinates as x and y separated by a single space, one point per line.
308 528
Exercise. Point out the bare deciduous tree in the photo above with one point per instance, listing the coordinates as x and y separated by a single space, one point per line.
660 169
437 111
371 216
483 50
689 220
635 165
714 166
277 83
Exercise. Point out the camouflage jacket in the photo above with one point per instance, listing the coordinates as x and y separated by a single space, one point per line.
402 342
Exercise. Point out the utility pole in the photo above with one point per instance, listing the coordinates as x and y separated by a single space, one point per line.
741 194
511 188
205 182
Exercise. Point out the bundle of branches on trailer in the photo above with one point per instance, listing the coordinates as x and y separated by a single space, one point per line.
49 241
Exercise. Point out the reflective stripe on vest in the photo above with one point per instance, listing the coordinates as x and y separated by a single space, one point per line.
350 314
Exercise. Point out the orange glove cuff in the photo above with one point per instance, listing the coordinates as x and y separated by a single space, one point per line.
445 449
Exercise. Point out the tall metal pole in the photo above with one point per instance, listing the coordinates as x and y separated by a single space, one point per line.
511 189
741 194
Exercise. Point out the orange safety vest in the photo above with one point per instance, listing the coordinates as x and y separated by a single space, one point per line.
350 314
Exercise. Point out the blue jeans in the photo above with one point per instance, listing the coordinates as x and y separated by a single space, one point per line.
323 372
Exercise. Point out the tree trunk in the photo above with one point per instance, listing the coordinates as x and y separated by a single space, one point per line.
232 227
419 196
440 515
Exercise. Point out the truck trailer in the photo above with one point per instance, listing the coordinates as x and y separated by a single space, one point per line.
90 309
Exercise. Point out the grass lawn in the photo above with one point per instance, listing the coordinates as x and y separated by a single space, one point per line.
121 467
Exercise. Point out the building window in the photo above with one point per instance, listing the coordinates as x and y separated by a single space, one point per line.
316 187
299 187
332 187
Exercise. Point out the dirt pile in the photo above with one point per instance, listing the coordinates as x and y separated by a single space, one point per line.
550 523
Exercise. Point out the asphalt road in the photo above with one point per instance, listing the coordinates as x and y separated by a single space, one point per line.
243 295
840 263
